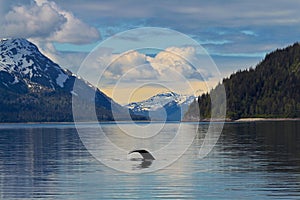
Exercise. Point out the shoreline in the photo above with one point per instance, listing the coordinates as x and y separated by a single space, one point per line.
256 119
265 119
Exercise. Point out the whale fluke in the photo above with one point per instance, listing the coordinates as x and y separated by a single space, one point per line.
145 154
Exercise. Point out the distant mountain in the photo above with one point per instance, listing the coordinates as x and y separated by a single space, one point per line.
167 106
271 90
33 88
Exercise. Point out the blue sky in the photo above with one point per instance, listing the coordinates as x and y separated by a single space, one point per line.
237 34
232 27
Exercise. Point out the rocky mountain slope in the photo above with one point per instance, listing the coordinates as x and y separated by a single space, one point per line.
33 88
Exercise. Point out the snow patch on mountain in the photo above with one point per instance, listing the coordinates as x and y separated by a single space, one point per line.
16 80
61 79
168 106
21 60
160 100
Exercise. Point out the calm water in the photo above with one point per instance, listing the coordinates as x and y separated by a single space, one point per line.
250 161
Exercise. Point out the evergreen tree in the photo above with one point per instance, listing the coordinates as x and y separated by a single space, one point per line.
272 89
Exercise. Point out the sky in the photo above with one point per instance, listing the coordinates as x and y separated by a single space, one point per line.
236 35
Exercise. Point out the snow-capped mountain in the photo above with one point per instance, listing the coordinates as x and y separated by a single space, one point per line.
36 89
24 68
167 106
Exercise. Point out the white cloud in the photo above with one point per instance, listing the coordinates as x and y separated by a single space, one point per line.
35 21
176 62
44 20
129 67
75 31
110 67
171 64
122 64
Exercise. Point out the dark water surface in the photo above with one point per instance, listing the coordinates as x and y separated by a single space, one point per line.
258 160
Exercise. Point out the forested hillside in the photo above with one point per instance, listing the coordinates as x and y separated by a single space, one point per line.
272 89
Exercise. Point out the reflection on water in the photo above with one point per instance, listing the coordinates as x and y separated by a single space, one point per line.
111 144
250 161
141 164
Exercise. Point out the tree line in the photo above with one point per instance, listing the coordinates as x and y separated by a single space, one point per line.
271 90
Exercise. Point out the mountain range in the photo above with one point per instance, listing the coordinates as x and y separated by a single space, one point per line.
33 88
168 106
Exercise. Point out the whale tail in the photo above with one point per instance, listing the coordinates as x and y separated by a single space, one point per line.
144 153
